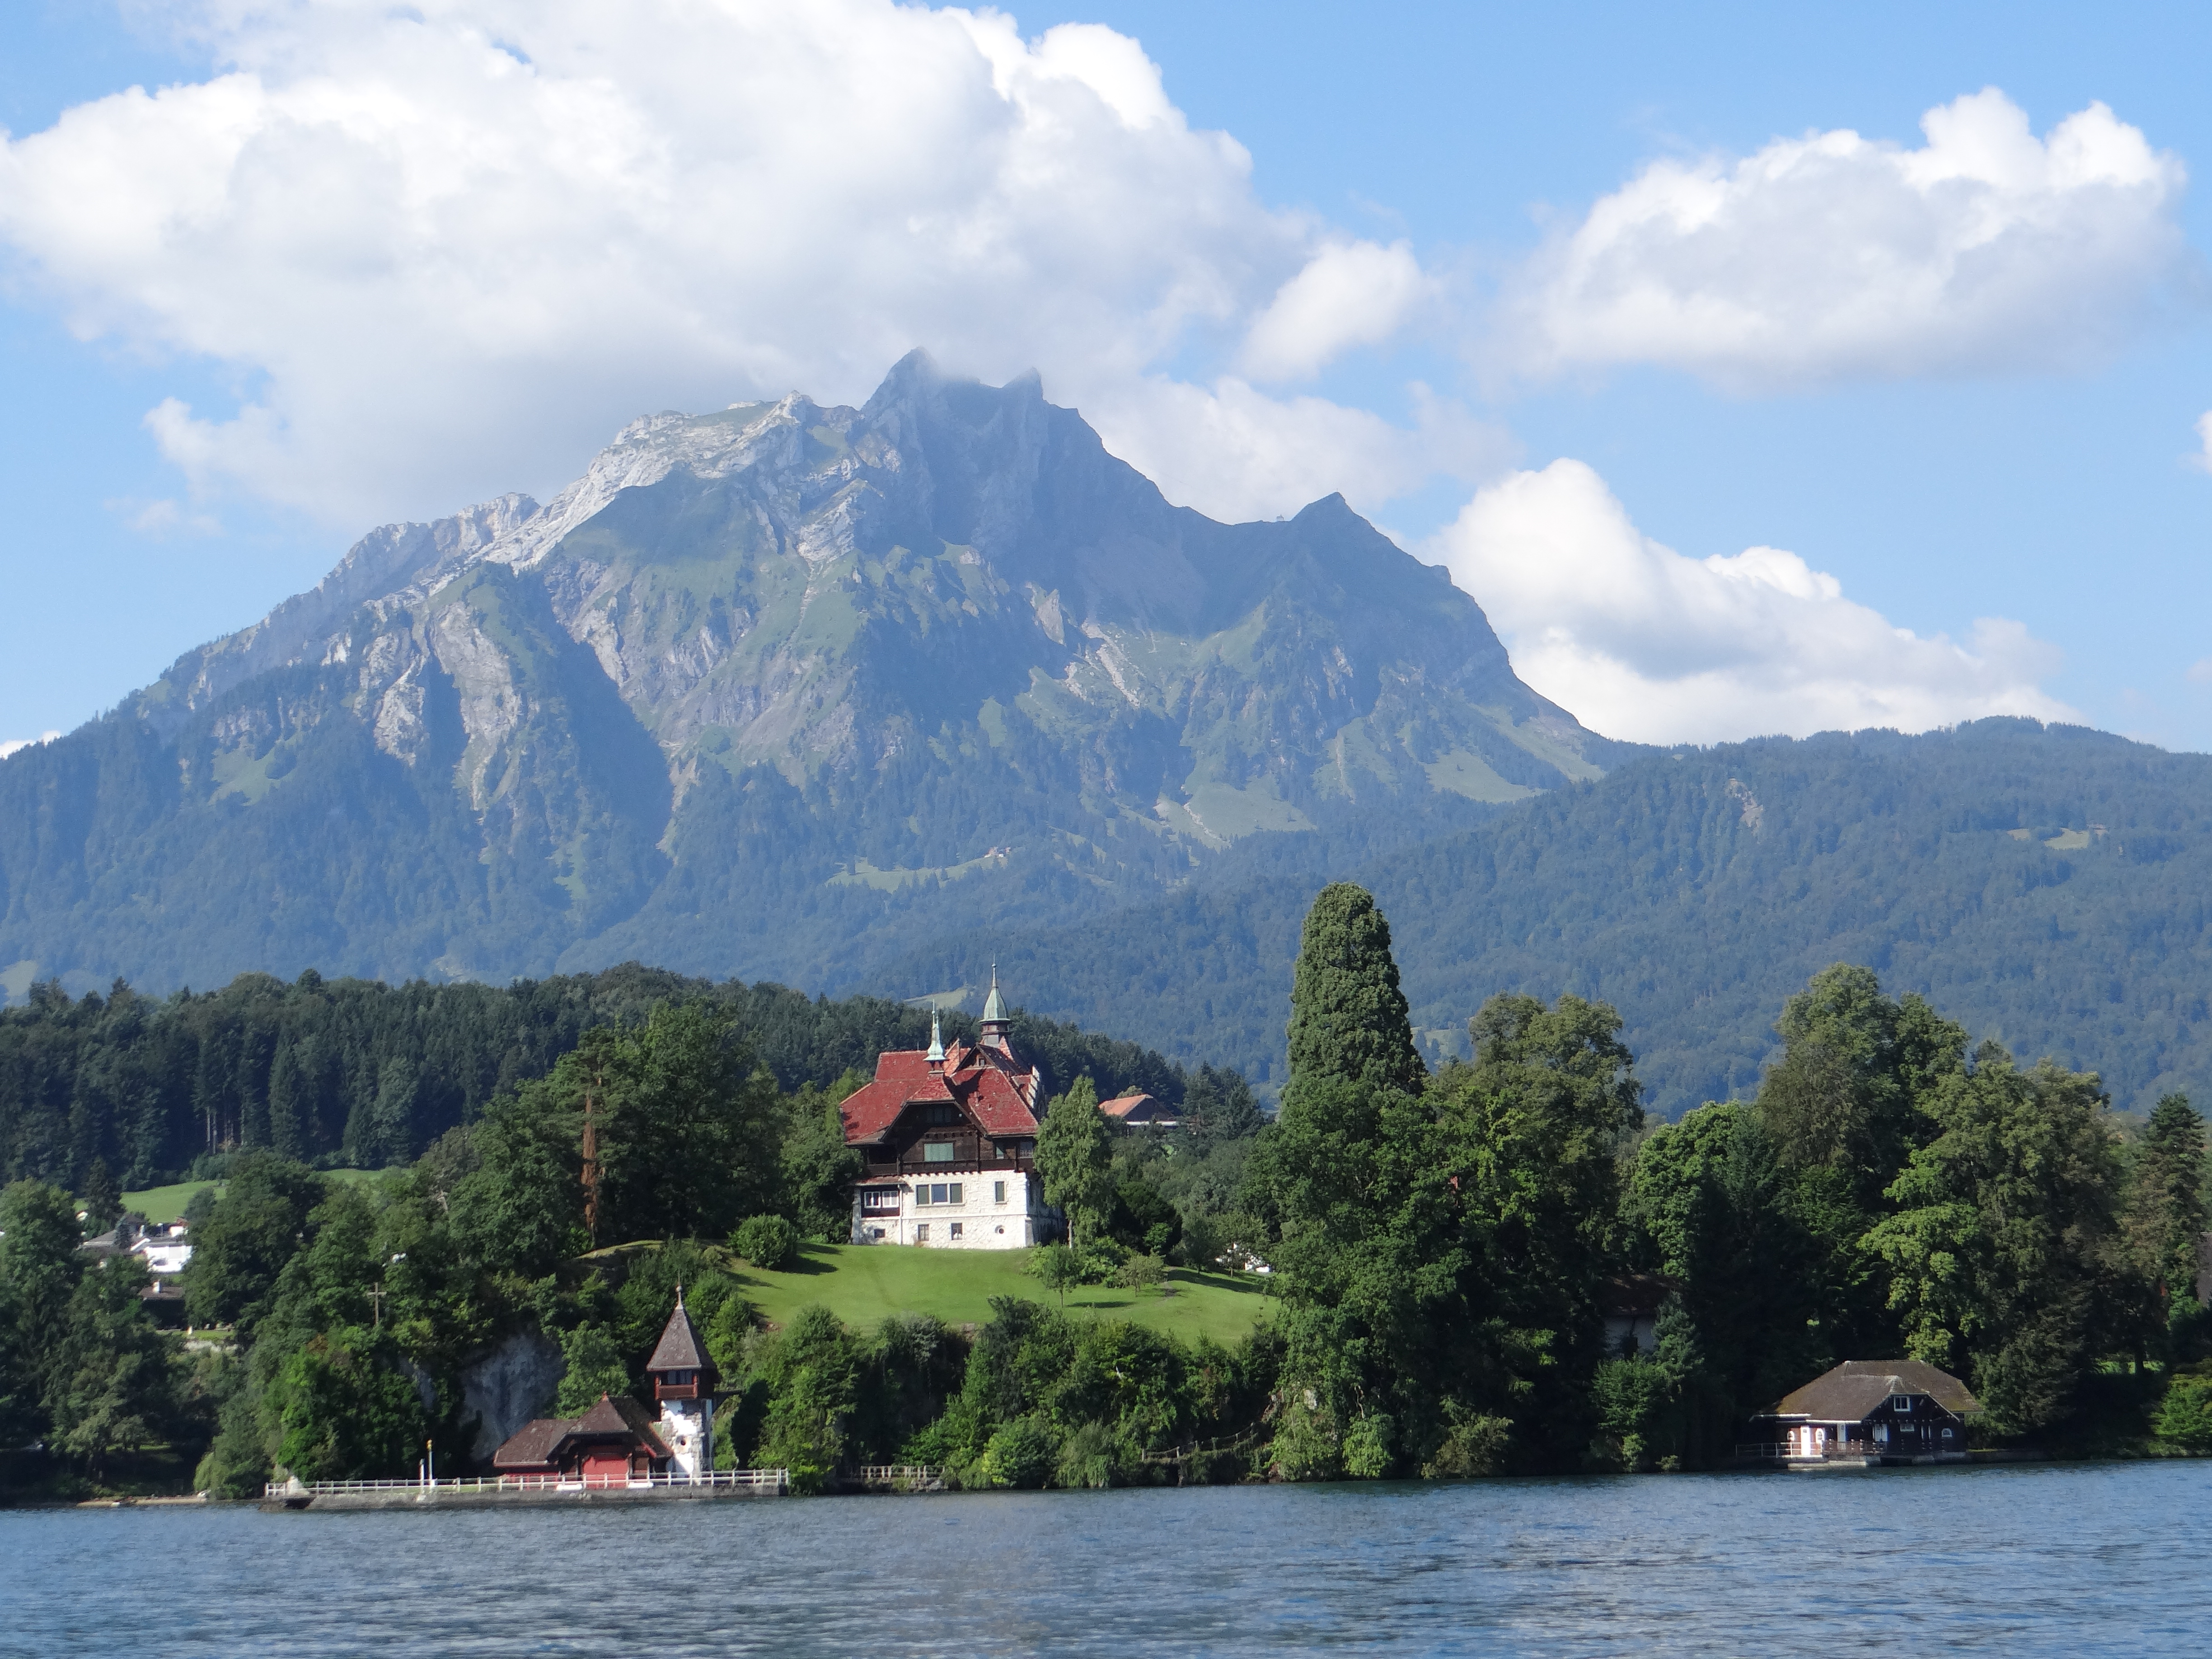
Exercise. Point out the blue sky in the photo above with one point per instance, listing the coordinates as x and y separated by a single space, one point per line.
2013 466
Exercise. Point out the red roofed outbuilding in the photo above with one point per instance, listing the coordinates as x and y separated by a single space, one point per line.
1139 1111
950 1140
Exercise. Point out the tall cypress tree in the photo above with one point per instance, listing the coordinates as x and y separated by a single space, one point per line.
1348 1018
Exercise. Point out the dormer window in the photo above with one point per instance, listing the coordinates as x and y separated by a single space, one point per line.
1901 1402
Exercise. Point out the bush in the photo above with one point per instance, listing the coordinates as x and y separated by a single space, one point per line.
1094 1455
2185 1418
767 1240
1022 1454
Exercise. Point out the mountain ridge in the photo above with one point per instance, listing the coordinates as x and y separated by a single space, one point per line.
743 660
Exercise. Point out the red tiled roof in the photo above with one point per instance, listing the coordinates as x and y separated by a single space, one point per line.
982 1082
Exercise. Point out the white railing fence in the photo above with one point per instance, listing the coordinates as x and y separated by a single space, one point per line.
897 1474
759 1481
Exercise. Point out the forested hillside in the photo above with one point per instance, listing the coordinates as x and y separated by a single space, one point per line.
354 1073
2045 886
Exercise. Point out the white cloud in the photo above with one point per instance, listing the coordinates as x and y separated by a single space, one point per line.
9 746
1350 294
1641 642
1836 256
452 246
2200 671
2202 458
163 517
1237 453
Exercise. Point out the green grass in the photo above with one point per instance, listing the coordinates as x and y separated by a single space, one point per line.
862 1283
161 1205
166 1204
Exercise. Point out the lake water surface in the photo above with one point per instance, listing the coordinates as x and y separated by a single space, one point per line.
2112 1559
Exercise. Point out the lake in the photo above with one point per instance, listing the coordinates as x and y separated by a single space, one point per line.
2024 1559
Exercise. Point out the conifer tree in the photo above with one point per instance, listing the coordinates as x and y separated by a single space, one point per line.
2165 1199
1348 1017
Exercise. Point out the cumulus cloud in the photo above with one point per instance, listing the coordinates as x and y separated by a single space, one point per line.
1254 456
450 247
9 746
1643 643
1350 294
1837 256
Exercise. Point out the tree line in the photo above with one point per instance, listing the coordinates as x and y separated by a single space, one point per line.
1441 1245
138 1091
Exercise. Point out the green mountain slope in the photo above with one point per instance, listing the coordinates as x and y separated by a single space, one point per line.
2046 886
783 690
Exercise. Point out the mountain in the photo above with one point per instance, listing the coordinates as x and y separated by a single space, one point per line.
783 690
2045 886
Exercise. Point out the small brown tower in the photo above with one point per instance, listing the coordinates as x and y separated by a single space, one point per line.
683 1385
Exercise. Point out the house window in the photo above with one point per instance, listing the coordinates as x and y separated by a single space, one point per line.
921 1194
956 1230
875 1232
922 1232
998 1191
1901 1402
937 1151
955 1191
879 1198
943 1114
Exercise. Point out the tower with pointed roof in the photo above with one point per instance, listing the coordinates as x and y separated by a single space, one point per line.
995 1016
682 1385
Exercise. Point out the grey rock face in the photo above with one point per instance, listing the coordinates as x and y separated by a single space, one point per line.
504 1387
745 660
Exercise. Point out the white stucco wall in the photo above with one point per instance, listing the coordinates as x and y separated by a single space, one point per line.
687 1427
986 1219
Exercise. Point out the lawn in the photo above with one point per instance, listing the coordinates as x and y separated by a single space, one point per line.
161 1204
863 1283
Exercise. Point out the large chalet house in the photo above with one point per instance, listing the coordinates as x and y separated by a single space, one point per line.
618 1441
948 1141
1873 1411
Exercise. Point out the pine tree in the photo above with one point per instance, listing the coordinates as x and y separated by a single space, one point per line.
1348 1017
2166 1198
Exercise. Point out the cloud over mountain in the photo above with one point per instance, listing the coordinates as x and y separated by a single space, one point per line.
1834 257
1646 644
449 247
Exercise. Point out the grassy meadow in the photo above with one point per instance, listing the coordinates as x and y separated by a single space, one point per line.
862 1284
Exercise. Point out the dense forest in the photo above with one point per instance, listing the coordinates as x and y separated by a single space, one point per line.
354 1073
1442 1240
2045 886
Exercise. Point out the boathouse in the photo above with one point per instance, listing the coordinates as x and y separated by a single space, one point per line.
618 1440
1873 1411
